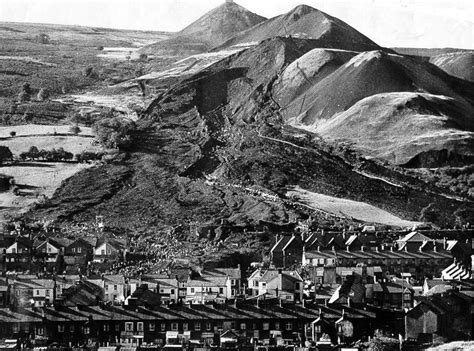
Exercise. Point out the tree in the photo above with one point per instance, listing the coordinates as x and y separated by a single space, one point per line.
75 129
25 93
12 133
5 154
113 132
33 152
429 214
43 95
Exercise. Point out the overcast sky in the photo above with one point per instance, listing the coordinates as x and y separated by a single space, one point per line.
411 23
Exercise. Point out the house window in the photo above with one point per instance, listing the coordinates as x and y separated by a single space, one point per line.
140 326
243 326
163 326
128 326
37 292
47 292
185 326
117 327
102 252
115 287
221 290
106 287
277 325
73 249
87 330
297 286
208 326
197 326
39 331
317 329
71 329
172 291
79 249
266 326
407 296
174 326
289 326
106 327
16 328
232 282
192 290
151 326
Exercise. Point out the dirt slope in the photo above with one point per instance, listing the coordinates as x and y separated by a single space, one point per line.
398 126
195 159
458 64
308 70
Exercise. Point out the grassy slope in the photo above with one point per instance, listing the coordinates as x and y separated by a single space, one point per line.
61 62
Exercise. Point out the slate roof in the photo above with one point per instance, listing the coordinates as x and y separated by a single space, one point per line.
272 274
185 313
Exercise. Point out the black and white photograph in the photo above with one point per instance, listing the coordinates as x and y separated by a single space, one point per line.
248 175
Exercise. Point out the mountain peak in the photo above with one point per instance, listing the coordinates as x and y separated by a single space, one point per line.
302 10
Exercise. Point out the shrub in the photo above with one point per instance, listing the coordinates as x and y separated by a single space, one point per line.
24 96
12 133
42 38
75 129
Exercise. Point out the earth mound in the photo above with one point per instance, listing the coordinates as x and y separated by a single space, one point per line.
209 31
309 23
371 73
400 126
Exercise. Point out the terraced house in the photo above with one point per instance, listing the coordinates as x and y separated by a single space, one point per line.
204 324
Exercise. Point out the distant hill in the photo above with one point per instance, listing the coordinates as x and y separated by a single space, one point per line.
307 22
427 52
211 30
458 64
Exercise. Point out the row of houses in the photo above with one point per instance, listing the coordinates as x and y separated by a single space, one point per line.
198 325
213 285
414 253
18 253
